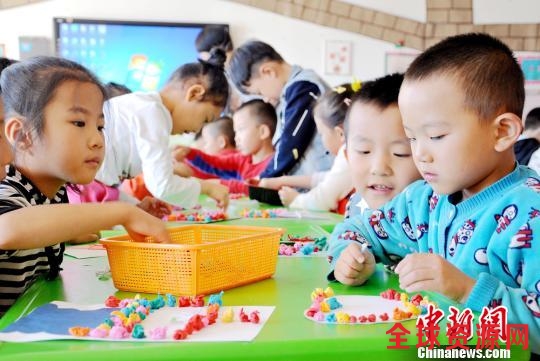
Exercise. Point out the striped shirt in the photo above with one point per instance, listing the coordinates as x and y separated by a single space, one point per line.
19 268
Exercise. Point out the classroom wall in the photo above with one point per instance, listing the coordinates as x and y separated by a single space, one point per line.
301 41
298 41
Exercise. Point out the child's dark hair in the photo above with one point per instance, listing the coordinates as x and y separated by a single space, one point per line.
214 35
247 58
114 89
532 120
484 67
28 87
262 112
223 126
332 106
381 92
4 63
217 90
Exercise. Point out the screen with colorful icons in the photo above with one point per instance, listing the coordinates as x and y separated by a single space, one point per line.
139 55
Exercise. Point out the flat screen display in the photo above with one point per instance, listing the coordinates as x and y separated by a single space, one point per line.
139 55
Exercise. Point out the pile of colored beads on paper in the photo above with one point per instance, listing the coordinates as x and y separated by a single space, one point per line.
298 247
260 213
125 321
325 307
206 216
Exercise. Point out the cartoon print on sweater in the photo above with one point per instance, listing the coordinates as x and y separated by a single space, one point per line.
504 219
533 183
375 223
390 215
462 236
531 300
480 256
534 213
433 200
421 229
408 229
523 238
519 276
495 303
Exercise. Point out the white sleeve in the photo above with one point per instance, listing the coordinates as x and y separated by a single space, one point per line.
318 177
335 186
152 139
534 162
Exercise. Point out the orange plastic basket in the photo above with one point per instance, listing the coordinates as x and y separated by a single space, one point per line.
202 259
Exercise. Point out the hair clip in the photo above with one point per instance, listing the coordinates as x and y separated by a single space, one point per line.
340 89
347 102
356 85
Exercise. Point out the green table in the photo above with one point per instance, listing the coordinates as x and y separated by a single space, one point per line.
286 336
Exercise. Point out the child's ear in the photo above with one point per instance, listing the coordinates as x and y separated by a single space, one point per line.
16 135
221 142
508 127
195 92
264 131
340 133
268 69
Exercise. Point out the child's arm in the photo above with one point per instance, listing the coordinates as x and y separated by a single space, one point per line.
151 135
45 225
298 128
327 194
383 230
218 166
297 181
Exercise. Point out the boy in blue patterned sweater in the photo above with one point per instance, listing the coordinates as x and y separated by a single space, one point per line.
471 229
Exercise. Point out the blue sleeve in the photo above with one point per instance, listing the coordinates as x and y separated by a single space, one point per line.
520 262
388 231
298 128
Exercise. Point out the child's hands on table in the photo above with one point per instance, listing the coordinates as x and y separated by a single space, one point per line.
354 266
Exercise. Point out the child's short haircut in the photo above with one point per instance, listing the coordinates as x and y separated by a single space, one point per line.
246 58
213 70
532 121
28 86
381 92
262 112
485 68
214 36
332 106
223 126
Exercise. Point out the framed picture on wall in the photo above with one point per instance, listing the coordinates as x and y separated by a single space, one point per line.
398 61
530 65
338 57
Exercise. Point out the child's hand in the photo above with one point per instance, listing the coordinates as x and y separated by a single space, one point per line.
287 195
155 207
140 224
217 191
180 152
182 169
273 183
354 266
431 272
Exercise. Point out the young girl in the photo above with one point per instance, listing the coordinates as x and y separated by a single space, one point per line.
139 125
54 123
380 160
329 190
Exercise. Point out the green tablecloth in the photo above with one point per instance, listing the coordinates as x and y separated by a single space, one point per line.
287 335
